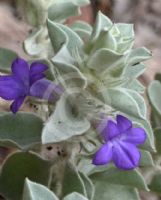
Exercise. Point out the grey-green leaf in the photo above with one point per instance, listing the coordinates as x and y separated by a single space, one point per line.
107 191
23 129
77 2
89 187
35 12
135 85
104 59
138 55
38 45
16 168
102 23
59 11
85 165
105 40
57 36
154 93
121 100
140 102
83 29
6 58
123 47
76 184
157 133
69 74
81 25
35 191
134 71
116 176
75 196
146 159
126 30
61 34
63 124
155 184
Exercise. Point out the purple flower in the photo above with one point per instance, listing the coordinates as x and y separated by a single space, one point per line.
27 81
121 140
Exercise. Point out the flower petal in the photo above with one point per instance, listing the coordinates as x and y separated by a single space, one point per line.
123 123
20 69
45 89
36 71
11 87
112 130
37 68
126 155
135 136
35 78
104 155
17 103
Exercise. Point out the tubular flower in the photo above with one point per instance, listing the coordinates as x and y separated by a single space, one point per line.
121 140
27 81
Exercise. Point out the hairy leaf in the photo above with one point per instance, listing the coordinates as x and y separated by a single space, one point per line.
35 191
6 58
75 196
116 176
63 123
22 130
16 168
